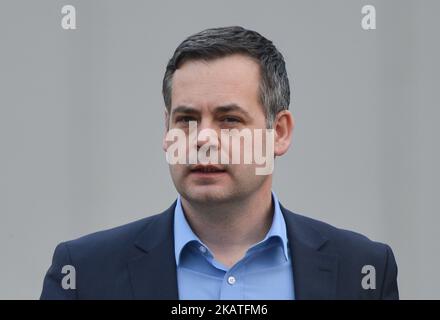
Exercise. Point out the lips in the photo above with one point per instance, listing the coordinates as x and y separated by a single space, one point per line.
207 169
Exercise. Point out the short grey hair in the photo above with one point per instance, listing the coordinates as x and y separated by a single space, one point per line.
216 43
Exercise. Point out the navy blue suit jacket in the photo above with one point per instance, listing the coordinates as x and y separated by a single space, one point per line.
136 261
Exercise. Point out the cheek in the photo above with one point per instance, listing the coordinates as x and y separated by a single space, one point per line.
176 171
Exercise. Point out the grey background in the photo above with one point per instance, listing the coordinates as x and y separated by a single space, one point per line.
81 122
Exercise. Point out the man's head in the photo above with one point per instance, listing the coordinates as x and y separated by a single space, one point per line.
226 78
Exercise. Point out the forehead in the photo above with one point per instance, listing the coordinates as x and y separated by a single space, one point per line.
231 79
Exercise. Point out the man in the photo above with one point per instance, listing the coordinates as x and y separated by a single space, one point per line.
226 236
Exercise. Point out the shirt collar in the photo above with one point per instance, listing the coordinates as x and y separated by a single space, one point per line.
183 234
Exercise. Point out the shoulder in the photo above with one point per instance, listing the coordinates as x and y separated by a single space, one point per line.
115 244
337 240
354 254
114 236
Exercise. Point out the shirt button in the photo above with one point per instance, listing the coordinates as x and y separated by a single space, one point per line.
231 280
202 249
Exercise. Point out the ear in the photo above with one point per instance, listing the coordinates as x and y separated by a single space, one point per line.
283 127
167 124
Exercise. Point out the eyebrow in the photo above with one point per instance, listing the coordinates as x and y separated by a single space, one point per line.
184 109
220 109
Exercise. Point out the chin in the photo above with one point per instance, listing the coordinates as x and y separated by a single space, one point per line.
208 194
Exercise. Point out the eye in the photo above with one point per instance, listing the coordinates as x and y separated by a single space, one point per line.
230 119
185 119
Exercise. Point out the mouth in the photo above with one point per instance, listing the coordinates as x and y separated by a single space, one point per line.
207 170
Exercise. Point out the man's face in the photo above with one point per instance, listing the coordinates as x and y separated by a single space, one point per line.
217 94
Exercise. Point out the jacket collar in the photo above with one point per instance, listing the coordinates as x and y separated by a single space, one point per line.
153 269
315 272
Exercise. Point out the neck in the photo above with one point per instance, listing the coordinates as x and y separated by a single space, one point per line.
230 228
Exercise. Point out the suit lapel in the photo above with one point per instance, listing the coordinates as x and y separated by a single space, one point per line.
153 271
315 272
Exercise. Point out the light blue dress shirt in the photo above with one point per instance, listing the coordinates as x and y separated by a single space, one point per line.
265 272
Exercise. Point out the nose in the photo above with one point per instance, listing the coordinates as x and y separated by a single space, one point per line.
207 135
